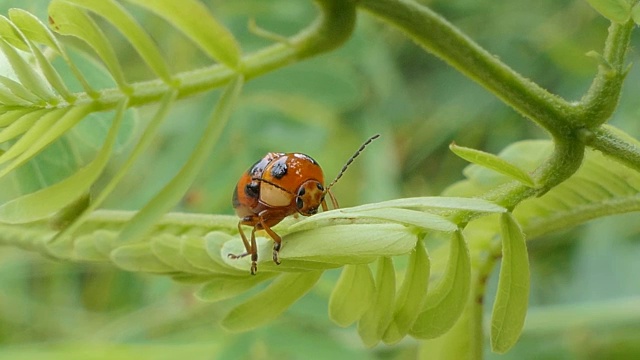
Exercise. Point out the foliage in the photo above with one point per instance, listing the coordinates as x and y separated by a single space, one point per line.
92 105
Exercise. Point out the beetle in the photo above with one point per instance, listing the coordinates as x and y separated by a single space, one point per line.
276 186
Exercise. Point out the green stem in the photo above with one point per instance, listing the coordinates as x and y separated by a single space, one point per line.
610 144
441 38
601 100
332 28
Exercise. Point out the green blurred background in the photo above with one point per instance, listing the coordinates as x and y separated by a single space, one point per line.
585 280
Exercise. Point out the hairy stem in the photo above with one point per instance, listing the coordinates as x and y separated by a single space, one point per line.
332 27
601 100
441 38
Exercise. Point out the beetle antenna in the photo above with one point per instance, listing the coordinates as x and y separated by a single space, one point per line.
353 157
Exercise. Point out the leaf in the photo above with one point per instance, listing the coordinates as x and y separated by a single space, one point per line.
635 13
85 247
52 75
411 296
33 29
67 19
139 258
27 75
435 202
420 219
225 288
145 140
193 249
9 117
131 30
47 201
378 316
19 90
617 11
347 244
194 20
175 189
37 32
445 303
512 298
50 127
18 127
267 305
352 295
9 34
167 249
493 162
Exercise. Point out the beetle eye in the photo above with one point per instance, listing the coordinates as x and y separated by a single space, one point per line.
301 191
299 203
320 187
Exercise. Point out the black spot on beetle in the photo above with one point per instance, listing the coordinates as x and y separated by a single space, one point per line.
252 189
279 169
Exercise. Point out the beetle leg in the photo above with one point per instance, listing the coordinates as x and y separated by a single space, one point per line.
247 247
254 252
334 201
277 240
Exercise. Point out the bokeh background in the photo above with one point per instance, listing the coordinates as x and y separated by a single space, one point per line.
585 301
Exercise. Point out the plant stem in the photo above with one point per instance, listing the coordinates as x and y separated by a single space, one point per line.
332 27
441 38
610 144
600 101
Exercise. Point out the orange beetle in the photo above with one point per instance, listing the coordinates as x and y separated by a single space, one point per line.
279 185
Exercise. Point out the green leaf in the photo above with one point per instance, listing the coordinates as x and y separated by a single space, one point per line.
378 316
18 127
27 75
67 19
24 43
420 219
435 202
85 246
446 301
352 295
139 258
7 97
70 212
512 298
47 201
51 126
267 305
9 117
493 162
347 244
194 20
176 188
617 11
411 296
9 33
145 140
194 250
213 242
227 287
19 90
37 32
33 28
131 30
635 13
52 75
167 249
